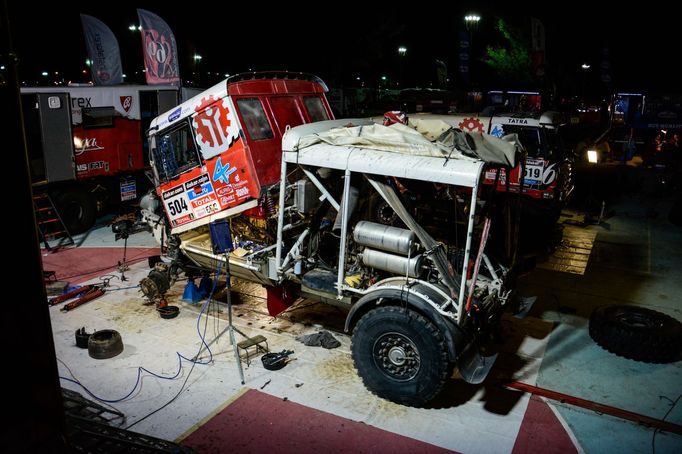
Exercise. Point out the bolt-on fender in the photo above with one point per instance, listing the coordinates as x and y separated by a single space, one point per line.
416 298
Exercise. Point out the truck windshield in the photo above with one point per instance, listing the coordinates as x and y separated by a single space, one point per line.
539 142
315 108
174 153
530 138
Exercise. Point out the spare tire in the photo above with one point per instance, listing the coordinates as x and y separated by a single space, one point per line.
105 344
637 333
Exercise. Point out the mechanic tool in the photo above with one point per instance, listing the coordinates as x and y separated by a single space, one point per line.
83 294
276 361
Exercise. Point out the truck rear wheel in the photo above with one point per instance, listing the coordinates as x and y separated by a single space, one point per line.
77 210
400 355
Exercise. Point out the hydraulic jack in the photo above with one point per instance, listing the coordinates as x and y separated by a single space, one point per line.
83 294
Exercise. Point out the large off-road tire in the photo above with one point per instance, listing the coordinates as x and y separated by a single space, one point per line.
637 333
78 210
400 355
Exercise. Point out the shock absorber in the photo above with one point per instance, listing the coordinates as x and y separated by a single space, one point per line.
268 204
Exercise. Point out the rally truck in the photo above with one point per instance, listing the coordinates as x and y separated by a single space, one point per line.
298 190
547 182
87 144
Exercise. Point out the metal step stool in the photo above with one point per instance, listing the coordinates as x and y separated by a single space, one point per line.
255 341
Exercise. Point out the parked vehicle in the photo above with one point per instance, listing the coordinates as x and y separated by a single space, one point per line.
548 167
423 295
87 144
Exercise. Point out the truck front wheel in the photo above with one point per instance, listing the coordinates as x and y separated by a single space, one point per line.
400 355
77 210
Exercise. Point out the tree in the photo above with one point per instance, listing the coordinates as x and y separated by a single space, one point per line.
510 61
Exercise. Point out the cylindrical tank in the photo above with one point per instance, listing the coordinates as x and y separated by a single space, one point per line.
385 237
392 263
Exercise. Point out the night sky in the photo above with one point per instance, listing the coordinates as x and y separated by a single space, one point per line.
342 41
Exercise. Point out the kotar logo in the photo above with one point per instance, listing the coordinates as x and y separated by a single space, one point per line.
126 102
86 144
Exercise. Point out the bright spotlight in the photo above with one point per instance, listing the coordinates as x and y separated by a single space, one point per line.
592 156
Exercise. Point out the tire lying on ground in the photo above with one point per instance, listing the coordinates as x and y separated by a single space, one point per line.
637 333
105 344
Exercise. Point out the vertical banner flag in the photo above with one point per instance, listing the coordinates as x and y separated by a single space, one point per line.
605 68
463 55
441 73
538 46
159 49
103 52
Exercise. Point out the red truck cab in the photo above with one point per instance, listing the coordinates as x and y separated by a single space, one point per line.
213 154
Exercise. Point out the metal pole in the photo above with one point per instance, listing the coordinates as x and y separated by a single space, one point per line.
228 297
123 266
597 407
344 231
280 214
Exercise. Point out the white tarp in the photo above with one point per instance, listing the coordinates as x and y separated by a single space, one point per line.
449 143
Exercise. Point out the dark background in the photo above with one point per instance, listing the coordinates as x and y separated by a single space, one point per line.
343 41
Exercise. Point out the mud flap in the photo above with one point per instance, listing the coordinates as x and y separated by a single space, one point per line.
474 367
280 297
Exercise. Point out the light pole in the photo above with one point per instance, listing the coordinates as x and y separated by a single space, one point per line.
471 21
402 50
585 68
136 32
197 59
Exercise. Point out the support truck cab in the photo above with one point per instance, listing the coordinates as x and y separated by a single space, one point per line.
87 145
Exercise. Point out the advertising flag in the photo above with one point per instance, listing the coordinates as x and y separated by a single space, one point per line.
159 50
538 46
103 52
464 45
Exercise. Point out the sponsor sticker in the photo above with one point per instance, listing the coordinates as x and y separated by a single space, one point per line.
173 192
128 190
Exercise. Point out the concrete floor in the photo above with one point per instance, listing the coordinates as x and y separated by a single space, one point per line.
634 261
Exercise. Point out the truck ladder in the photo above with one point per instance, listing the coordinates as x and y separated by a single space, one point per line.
50 224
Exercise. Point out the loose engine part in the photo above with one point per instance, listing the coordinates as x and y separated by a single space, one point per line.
157 283
149 202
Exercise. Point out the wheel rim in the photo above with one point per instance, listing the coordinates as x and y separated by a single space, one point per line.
396 356
74 211
636 320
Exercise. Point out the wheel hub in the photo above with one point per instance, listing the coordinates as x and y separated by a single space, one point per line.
636 320
396 356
